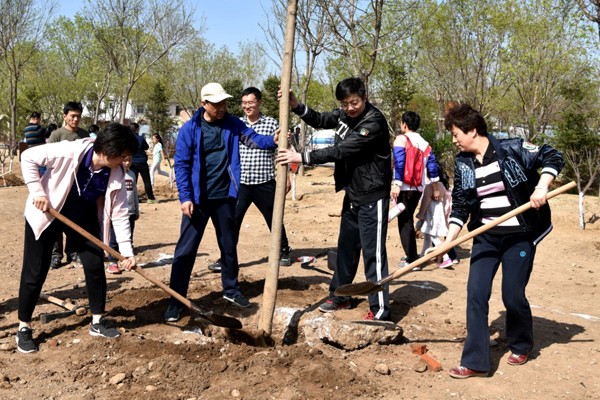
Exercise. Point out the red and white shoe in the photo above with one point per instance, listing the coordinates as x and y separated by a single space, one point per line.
113 269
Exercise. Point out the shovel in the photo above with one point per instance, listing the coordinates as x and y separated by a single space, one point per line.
368 287
207 316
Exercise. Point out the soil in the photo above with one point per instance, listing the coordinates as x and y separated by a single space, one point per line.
153 360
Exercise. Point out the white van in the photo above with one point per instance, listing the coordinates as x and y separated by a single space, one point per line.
322 139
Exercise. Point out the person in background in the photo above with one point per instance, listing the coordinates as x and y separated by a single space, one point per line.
70 131
433 222
49 129
84 181
34 133
491 178
257 185
404 193
139 162
207 168
158 152
133 206
93 130
363 169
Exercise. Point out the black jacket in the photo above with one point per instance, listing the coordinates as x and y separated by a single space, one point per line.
519 162
361 152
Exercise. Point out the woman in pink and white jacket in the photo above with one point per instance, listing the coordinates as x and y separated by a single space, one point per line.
84 181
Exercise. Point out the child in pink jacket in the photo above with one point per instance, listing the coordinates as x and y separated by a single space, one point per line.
84 182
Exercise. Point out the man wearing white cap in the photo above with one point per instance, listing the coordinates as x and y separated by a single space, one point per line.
207 171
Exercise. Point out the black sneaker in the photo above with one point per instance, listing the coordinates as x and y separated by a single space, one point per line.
75 260
285 259
104 329
172 314
238 300
216 266
25 342
331 306
55 263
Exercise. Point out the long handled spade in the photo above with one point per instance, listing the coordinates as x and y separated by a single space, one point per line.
366 288
208 316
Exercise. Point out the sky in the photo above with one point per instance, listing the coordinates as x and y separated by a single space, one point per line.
228 22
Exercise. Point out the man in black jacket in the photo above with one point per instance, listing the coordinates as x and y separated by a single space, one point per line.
363 169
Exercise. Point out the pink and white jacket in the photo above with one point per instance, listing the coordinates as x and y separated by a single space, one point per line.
62 160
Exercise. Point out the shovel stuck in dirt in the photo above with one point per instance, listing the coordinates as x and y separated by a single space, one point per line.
368 287
207 316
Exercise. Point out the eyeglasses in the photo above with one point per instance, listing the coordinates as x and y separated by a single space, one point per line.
249 103
353 104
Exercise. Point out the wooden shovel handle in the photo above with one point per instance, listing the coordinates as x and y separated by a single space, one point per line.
120 257
445 247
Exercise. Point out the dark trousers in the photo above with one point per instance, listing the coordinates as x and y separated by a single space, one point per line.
516 253
221 213
363 227
113 238
406 223
144 171
263 197
57 248
36 263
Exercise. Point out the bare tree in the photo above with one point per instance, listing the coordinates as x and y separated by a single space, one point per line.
136 34
359 32
22 27
312 34
584 162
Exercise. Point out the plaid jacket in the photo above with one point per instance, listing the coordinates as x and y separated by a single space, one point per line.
257 166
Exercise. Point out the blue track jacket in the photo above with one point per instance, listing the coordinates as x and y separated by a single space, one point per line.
188 153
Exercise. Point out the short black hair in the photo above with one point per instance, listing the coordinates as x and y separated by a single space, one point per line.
94 128
412 120
465 118
350 86
116 140
35 114
252 90
72 106
134 126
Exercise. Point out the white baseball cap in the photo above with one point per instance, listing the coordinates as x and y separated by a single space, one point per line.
214 93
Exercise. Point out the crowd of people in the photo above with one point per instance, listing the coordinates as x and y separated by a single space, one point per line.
225 163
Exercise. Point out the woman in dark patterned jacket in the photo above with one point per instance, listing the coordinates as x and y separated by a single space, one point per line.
492 177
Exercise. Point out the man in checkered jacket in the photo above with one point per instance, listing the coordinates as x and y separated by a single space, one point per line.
257 173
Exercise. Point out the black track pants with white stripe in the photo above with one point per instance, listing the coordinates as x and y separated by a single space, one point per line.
363 227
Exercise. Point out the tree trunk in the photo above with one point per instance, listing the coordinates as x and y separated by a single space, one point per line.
581 211
271 279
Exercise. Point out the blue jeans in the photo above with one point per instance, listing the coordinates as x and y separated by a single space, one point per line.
222 214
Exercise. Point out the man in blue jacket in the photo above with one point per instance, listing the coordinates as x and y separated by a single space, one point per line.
207 170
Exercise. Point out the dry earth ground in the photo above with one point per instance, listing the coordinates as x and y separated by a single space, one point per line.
153 360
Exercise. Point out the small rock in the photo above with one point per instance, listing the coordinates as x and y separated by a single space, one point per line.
383 369
235 393
75 341
118 378
52 343
421 366
6 347
151 388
